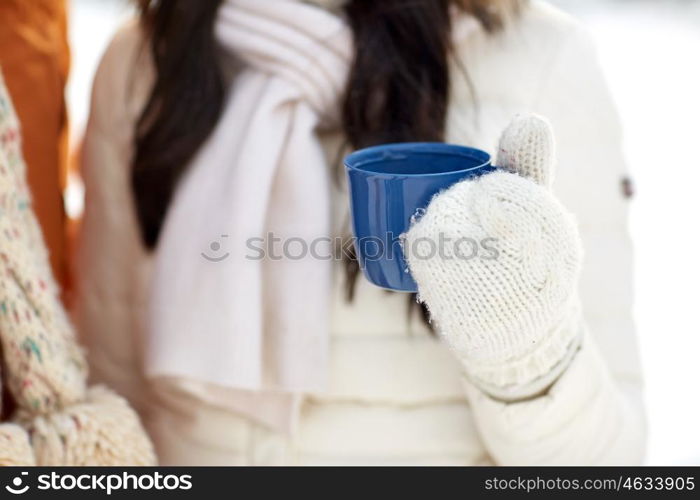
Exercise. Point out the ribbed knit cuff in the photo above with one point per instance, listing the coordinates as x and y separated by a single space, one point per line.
531 372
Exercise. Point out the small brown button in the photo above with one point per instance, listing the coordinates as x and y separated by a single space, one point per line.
628 187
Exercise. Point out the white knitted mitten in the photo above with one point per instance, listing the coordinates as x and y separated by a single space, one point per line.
512 316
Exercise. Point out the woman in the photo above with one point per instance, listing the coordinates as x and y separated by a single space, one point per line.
209 121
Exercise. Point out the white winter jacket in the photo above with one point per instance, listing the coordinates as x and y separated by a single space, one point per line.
397 395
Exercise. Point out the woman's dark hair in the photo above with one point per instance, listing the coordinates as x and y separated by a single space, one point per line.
183 108
397 90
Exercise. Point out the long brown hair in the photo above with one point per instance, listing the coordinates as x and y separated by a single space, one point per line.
397 89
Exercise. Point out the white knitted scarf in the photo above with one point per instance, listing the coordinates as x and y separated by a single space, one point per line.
258 325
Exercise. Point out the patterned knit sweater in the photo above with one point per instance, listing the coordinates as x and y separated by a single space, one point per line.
58 420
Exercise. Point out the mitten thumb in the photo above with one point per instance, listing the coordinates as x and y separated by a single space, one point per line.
527 148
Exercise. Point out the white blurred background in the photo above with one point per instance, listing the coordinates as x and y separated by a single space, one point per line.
650 50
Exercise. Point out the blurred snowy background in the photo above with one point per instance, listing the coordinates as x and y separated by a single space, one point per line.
650 50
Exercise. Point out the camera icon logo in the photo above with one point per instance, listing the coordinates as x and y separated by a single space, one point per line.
16 488
215 247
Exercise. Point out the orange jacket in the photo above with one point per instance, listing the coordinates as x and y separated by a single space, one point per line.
35 59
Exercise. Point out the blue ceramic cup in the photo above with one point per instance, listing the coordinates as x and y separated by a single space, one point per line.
390 186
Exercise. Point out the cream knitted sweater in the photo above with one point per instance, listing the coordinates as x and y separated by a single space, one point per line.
397 395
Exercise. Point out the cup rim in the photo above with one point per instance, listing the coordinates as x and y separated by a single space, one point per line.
366 156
